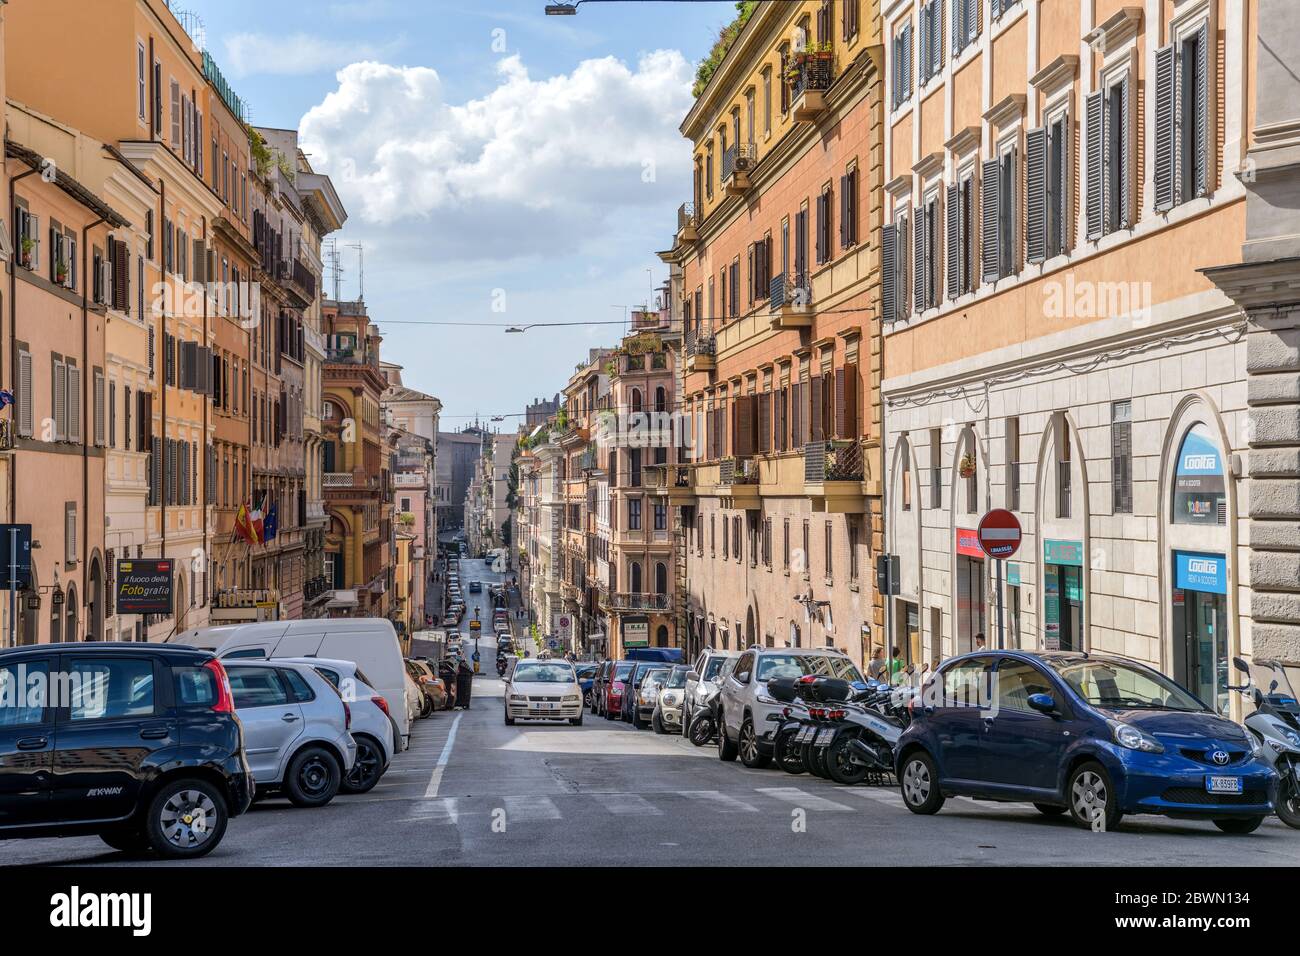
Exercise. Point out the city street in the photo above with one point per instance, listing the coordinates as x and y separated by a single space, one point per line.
472 791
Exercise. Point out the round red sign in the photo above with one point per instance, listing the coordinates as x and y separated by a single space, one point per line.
999 533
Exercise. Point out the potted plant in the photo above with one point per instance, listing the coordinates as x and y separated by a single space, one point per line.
966 467
27 247
61 271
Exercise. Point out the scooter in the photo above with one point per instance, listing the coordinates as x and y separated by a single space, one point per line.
1275 725
704 722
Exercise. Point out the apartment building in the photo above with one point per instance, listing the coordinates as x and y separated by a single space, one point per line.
1045 162
779 274
639 438
414 516
358 493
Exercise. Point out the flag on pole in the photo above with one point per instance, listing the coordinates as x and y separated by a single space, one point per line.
255 520
271 523
244 524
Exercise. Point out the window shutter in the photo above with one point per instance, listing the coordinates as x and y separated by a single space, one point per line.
1093 112
796 416
99 411
888 289
156 462
924 45
953 214
200 262
851 424
176 115
901 267
816 402
989 221
112 414
817 233
959 26
746 425
907 61
1123 174
997 7
1036 194
844 212
1201 121
121 276
151 351
1164 132
60 403
25 416
74 403
936 36
839 420
918 261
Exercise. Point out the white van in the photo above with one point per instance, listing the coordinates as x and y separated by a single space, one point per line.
369 642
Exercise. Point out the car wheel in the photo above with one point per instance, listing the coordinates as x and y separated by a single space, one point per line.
840 765
426 706
1050 809
510 721
186 819
366 769
609 714
686 722
576 721
920 784
726 749
1288 804
1091 797
750 755
1239 825
658 724
129 841
313 777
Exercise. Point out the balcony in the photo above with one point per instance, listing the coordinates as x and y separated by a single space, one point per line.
701 348
636 601
686 222
409 480
813 75
349 481
833 475
351 356
738 480
315 589
737 161
790 301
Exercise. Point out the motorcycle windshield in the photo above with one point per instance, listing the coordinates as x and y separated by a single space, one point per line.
1273 680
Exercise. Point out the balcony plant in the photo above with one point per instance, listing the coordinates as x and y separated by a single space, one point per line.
966 467
61 271
26 247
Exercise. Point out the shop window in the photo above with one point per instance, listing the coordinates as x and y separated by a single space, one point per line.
1200 496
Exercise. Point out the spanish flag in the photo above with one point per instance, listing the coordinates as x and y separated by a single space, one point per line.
244 525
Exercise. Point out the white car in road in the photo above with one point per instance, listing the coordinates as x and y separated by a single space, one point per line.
543 690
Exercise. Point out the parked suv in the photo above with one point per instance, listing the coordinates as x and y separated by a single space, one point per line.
296 729
135 743
709 669
745 705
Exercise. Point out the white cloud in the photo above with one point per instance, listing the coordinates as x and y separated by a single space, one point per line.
535 166
298 53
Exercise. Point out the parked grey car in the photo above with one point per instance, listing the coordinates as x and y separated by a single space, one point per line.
373 727
702 681
296 729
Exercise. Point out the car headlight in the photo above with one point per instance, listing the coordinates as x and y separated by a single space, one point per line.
764 699
672 699
1126 735
518 697
571 699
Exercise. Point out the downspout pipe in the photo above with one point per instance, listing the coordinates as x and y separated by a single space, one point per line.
87 422
13 350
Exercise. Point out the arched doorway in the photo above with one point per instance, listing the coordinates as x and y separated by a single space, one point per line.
71 631
661 636
56 615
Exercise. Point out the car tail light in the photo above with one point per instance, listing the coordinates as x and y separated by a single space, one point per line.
225 703
806 679
347 716
380 702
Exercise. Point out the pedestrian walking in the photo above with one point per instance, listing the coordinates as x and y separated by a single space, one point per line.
895 663
876 669
464 684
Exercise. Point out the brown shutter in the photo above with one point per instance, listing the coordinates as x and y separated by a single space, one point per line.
765 422
816 403
796 415
839 403
851 425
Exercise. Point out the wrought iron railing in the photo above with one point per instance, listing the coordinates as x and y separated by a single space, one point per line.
789 289
814 73
637 601
832 461
685 215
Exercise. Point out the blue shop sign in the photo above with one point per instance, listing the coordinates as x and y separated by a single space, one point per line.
1196 571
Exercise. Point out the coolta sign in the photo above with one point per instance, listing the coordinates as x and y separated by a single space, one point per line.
1207 573
1199 491
144 586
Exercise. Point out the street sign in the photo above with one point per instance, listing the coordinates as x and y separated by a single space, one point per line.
887 574
999 533
144 586
15 562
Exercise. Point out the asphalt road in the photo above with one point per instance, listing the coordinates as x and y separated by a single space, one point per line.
472 791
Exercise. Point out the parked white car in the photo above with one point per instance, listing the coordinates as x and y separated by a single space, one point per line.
296 729
373 728
543 690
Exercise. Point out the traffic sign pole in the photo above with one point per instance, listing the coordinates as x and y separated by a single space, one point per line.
999 537
1001 634
13 587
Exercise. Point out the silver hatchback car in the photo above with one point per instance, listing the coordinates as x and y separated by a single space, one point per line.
297 729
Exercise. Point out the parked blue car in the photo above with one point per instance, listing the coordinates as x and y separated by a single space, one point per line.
586 677
1093 736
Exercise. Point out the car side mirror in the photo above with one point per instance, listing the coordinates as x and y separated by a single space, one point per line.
1043 703
692 675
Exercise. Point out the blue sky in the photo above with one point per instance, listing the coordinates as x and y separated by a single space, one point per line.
491 158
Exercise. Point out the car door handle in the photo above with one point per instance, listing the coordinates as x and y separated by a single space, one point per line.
154 733
289 718
33 743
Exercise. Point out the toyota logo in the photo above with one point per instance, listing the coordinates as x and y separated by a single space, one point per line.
1220 757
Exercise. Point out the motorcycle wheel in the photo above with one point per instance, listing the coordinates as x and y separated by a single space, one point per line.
701 731
839 764
808 754
1288 804
787 755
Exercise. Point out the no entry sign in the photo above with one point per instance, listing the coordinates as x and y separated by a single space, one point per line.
999 533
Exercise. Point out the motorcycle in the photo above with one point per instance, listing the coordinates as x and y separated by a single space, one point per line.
501 667
1275 725
704 722
856 737
786 754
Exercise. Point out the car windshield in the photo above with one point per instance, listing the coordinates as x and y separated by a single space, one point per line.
656 675
799 665
622 671
678 677
1114 684
718 667
542 673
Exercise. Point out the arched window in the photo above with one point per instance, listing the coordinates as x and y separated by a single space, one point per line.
661 399
636 399
1199 491
56 616
661 578
70 622
661 636
634 577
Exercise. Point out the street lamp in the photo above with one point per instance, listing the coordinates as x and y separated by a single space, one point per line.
562 9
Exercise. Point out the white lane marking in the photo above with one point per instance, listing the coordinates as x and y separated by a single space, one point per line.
722 802
442 811
525 809
627 804
891 797
435 778
802 798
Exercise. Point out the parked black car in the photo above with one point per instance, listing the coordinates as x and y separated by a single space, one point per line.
136 743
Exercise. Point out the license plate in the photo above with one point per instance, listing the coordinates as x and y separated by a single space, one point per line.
545 705
804 735
1223 784
826 736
